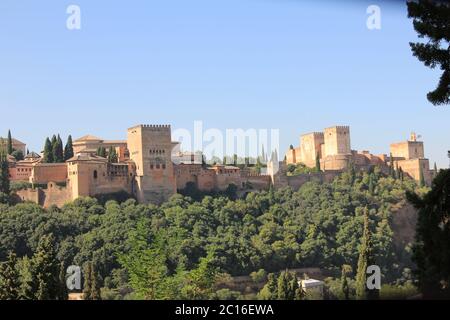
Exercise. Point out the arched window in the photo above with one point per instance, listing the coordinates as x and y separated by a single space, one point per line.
95 174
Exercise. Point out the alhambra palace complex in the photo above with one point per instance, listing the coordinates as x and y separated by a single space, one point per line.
147 167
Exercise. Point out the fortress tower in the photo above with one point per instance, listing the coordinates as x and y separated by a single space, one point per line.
337 141
310 148
150 148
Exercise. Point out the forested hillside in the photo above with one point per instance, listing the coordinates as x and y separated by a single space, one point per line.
139 251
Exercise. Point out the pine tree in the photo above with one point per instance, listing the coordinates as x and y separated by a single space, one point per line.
68 149
365 260
9 143
48 151
9 279
44 271
430 20
431 249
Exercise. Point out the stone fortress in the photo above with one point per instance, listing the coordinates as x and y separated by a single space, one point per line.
149 169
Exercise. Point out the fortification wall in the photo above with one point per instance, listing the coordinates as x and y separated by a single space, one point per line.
43 173
52 195
257 182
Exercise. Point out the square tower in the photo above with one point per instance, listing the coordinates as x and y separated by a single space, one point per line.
150 148
337 141
310 146
411 149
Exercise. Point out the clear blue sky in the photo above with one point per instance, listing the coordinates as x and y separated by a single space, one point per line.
298 66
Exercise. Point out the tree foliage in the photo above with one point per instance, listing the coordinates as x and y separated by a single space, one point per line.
431 21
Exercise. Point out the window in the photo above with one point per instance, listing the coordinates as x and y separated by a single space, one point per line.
164 166
95 174
151 167
157 166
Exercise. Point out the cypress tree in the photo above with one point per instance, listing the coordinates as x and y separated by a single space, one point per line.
401 174
391 167
68 149
63 293
9 143
4 173
397 173
283 286
371 184
48 152
344 281
57 149
9 279
422 177
113 155
435 170
365 260
317 163
87 290
95 287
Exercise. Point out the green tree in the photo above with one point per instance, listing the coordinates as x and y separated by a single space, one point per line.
391 166
365 260
345 287
4 173
63 293
91 288
283 288
68 149
270 290
57 149
9 143
87 283
200 281
422 182
432 245
44 271
318 163
18 155
112 155
430 20
48 151
9 279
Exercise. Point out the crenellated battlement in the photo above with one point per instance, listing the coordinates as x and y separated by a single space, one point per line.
153 127
339 128
315 134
